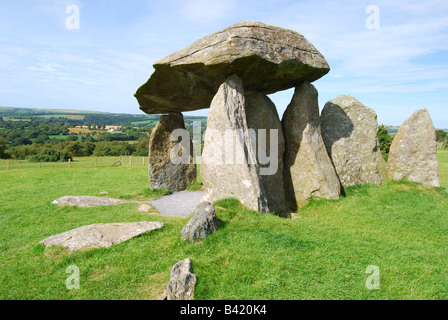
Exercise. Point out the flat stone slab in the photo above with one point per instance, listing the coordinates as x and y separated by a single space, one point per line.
87 201
178 204
266 58
100 235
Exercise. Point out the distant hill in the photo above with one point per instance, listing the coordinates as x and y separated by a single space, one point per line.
83 117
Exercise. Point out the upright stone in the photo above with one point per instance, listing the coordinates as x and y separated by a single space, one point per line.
229 167
263 119
165 146
350 133
413 153
308 171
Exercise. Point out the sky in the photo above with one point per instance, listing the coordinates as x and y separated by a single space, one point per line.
94 54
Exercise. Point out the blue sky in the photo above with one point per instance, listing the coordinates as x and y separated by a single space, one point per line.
396 69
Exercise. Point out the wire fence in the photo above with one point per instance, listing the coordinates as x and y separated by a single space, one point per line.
84 162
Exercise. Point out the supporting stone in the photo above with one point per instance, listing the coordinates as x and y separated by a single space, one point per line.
308 171
170 161
350 133
413 153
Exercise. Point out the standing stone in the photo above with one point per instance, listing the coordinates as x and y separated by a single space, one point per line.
308 172
413 153
350 133
203 223
229 168
263 119
163 148
182 281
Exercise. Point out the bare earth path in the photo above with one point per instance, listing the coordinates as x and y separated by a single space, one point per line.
178 204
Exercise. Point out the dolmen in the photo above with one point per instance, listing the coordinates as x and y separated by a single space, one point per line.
269 164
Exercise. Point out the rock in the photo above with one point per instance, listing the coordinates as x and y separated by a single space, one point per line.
229 167
350 133
182 281
163 172
100 235
413 153
308 172
261 114
86 201
203 223
266 58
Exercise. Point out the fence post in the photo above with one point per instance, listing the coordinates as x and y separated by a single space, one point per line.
143 161
130 161
40 164
7 165
69 163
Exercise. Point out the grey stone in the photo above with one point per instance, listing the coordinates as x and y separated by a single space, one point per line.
309 172
182 281
230 172
100 235
413 153
163 172
262 116
87 201
203 223
267 59
350 133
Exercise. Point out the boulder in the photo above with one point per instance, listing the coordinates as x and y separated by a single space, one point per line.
164 148
182 281
87 201
203 223
267 58
350 133
100 235
413 153
308 171
263 119
229 166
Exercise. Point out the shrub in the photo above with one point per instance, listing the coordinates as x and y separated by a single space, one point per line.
50 155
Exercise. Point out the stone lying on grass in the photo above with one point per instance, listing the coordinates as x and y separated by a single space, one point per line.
203 223
86 201
182 282
100 235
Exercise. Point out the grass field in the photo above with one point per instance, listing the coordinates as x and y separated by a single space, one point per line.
323 253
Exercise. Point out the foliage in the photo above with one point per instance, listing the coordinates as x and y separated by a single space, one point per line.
50 155
441 135
385 139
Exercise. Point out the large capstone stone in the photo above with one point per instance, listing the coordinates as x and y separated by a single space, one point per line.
171 160
413 153
308 172
350 133
100 235
230 167
267 58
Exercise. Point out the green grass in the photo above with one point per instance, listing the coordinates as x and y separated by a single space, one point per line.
322 253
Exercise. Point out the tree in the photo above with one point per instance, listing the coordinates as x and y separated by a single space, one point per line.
385 139
3 147
440 135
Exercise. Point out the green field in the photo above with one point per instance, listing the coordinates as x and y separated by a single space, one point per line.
323 253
